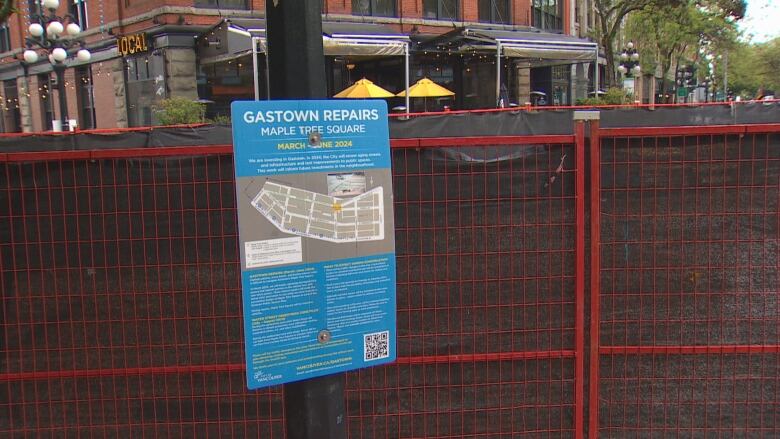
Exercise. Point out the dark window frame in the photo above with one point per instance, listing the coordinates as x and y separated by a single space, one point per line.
46 100
33 7
140 72
493 13
5 38
78 9
85 96
223 4
372 8
547 14
138 68
12 112
560 77
441 8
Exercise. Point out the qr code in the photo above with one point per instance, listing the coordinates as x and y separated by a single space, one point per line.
376 346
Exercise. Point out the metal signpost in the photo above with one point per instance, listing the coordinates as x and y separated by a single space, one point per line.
316 232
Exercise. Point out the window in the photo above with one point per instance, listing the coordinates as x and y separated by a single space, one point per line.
438 71
137 68
47 103
145 87
494 11
440 9
377 8
5 38
547 14
577 12
85 98
561 80
227 81
12 117
222 4
32 6
78 9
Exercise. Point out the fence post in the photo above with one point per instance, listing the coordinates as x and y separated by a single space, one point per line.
580 117
595 277
579 276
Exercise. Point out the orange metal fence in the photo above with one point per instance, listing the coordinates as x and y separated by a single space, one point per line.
685 248
121 306
122 311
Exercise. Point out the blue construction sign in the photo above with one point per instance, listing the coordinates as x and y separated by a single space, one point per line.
315 216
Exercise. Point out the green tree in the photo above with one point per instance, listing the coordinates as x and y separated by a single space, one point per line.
718 32
662 35
612 13
610 16
735 9
674 32
742 73
754 66
769 64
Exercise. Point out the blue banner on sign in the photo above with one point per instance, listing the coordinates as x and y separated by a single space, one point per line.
353 299
294 137
316 234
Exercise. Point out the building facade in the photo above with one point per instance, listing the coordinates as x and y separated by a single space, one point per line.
489 52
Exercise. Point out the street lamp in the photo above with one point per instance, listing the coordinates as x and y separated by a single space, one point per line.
710 86
629 61
50 35
685 79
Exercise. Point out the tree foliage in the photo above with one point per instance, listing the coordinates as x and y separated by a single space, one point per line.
178 110
671 33
754 66
613 96
610 15
735 9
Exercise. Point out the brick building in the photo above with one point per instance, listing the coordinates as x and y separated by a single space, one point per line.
145 50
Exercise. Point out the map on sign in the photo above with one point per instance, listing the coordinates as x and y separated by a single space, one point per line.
324 217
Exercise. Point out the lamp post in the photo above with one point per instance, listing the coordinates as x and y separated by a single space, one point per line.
685 80
709 88
54 36
629 61
629 67
710 58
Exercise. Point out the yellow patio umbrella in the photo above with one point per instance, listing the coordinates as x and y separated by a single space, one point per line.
425 88
363 89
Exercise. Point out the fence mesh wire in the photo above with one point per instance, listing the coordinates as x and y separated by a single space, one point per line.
690 314
485 264
121 310
122 307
